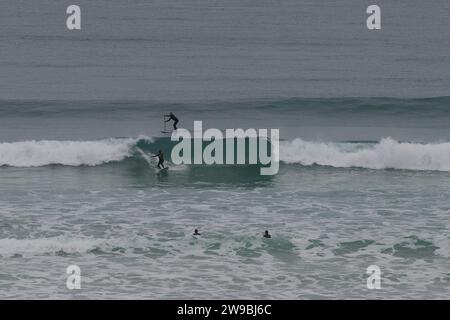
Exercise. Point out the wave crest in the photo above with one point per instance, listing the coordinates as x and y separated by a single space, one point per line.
69 153
386 154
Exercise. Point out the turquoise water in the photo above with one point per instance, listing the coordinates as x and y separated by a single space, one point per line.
361 182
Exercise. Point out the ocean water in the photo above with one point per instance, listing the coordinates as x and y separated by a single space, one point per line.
223 49
362 181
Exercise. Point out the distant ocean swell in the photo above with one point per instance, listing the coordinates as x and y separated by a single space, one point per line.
384 154
436 107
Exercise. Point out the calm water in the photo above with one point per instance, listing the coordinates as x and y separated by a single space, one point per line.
197 49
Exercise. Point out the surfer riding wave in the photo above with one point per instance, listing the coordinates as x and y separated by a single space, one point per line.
160 159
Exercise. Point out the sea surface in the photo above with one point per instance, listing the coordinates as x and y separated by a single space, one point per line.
223 49
362 181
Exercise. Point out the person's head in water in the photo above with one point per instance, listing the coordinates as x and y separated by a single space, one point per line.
267 235
196 232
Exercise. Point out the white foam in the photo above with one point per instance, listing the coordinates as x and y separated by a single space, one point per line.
29 247
71 153
388 153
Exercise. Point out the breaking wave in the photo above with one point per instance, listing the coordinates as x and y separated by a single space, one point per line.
69 153
384 154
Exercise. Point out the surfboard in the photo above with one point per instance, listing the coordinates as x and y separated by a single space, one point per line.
166 132
163 170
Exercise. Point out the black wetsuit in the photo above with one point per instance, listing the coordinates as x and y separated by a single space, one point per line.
161 160
175 120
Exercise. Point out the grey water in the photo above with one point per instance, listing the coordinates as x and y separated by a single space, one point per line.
235 49
362 181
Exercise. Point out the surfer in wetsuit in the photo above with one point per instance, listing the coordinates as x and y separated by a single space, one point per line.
160 158
267 235
171 116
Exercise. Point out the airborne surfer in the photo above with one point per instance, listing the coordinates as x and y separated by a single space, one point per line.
160 159
171 116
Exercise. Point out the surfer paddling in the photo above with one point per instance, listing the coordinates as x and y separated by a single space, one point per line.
171 116
160 159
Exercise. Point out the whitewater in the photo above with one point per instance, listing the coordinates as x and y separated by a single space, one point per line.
385 154
364 123
361 182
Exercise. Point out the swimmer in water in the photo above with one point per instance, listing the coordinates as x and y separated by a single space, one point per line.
161 159
267 235
196 233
